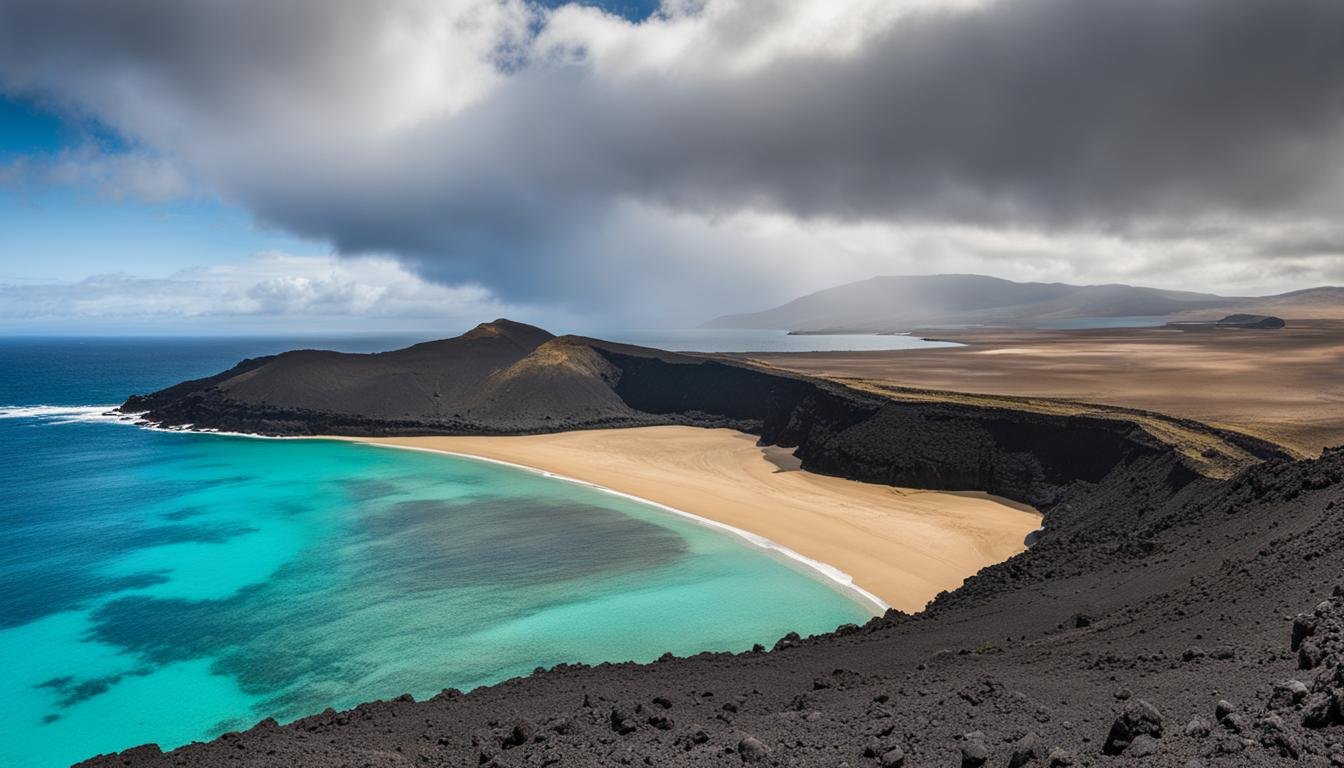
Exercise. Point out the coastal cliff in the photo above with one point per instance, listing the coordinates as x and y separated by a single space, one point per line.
509 378
1151 619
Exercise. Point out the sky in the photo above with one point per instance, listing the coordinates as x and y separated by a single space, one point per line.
251 166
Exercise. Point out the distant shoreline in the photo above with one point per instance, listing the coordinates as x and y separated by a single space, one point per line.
883 546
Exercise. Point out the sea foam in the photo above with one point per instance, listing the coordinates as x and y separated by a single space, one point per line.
65 414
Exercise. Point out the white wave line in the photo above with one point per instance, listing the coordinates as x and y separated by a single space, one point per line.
102 414
64 414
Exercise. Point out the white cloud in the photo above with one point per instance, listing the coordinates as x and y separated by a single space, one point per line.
275 285
119 176
725 153
724 37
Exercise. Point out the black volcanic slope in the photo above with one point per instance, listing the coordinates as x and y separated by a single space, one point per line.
1164 615
1251 321
501 377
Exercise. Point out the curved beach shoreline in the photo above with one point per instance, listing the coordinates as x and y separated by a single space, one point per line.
837 577
884 546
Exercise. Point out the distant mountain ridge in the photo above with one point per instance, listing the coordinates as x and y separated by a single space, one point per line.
901 303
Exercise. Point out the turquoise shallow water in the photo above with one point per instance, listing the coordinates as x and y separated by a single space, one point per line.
168 587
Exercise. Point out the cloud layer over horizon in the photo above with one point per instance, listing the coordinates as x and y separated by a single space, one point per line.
310 293
723 154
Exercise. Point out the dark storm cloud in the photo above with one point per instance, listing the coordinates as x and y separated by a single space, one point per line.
1056 110
1051 114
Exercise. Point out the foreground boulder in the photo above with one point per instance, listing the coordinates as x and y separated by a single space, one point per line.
1139 718
752 750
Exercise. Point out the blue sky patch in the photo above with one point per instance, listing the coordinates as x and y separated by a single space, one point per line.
634 10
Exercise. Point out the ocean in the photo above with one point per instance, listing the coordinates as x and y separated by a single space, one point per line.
168 587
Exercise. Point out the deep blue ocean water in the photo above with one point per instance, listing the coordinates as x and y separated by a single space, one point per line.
167 587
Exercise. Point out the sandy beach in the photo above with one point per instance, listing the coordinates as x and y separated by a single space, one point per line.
902 545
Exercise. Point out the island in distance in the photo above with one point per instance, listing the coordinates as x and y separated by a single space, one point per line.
898 304
1182 602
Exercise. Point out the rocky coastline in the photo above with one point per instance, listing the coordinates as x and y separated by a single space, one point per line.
1166 615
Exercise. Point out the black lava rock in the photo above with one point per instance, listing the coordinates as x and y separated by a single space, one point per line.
751 750
1138 719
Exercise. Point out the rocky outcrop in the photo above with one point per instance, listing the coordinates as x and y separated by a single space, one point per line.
1251 322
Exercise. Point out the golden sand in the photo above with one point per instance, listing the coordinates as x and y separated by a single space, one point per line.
901 544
